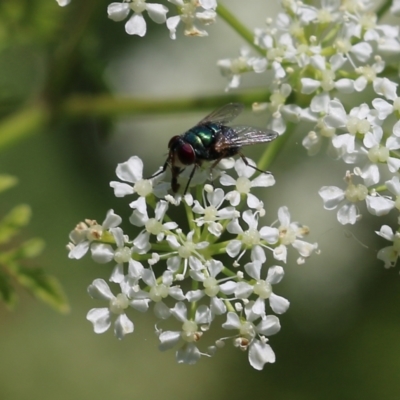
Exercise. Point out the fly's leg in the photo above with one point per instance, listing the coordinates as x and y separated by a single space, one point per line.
214 164
190 178
174 181
163 169
242 156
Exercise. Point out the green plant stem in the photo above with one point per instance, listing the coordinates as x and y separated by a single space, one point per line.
236 25
110 106
274 148
23 124
380 12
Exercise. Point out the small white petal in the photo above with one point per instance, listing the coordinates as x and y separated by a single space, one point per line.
179 311
112 220
102 253
275 274
260 354
118 11
386 232
394 185
99 289
378 205
100 318
122 326
168 340
63 3
345 85
362 51
157 12
228 287
331 196
243 290
217 306
309 85
271 235
161 311
79 250
278 304
232 321
194 295
136 26
131 170
233 248
347 214
269 325
188 354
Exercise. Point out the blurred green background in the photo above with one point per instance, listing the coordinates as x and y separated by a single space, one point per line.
339 339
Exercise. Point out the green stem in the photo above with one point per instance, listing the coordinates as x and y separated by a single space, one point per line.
273 149
110 106
383 8
23 124
237 26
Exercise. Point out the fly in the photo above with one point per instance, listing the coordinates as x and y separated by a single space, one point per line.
212 140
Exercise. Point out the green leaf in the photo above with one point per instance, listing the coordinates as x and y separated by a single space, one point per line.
44 287
18 217
31 248
7 292
7 181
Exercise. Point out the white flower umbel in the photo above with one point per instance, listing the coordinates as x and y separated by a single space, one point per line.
184 280
311 73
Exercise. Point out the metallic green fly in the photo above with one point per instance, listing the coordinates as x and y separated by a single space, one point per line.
212 140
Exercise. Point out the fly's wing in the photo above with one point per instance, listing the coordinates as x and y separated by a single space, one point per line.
245 136
224 114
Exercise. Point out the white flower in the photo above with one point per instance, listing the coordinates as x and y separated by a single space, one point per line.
188 14
190 333
249 239
234 68
185 249
385 88
136 24
276 106
159 290
153 226
213 213
208 276
390 254
132 171
289 234
360 120
87 232
327 77
379 153
101 317
260 352
333 196
263 289
243 184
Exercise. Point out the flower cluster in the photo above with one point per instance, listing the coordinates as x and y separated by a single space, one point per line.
189 13
193 274
317 57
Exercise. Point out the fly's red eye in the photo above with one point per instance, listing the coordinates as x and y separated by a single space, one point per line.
172 141
186 154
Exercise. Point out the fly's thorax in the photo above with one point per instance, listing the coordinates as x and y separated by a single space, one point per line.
202 138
